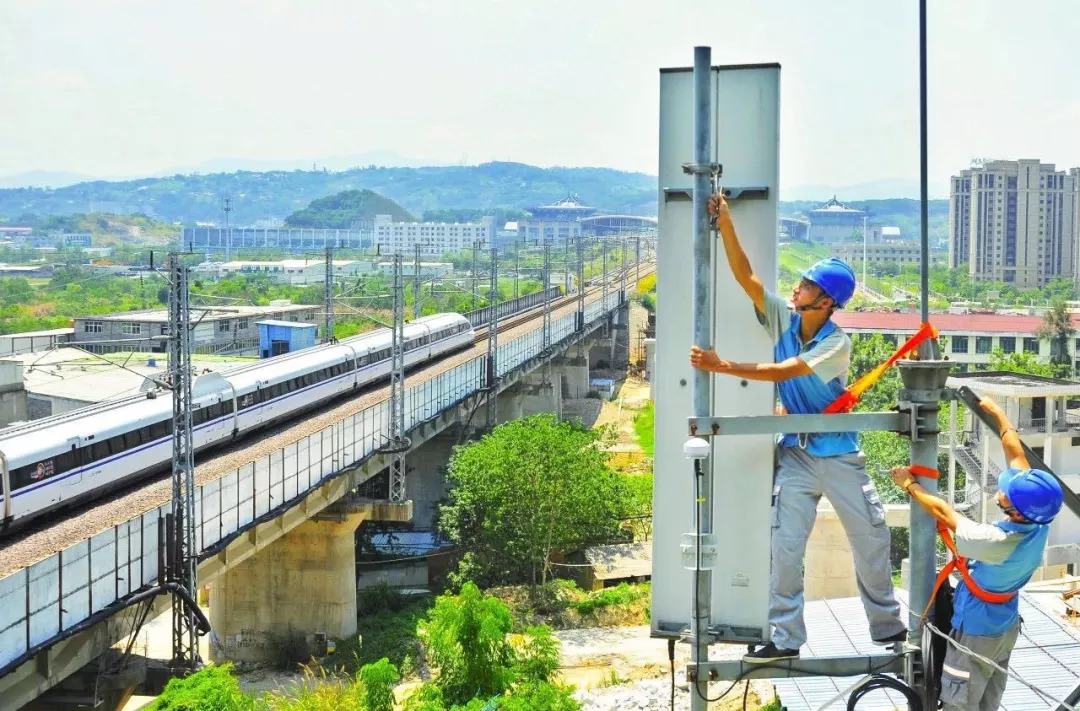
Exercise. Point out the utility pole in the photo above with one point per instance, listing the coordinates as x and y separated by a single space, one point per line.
227 208
181 542
637 260
864 219
581 283
603 274
475 280
622 248
566 265
493 343
398 443
547 296
328 297
517 268
417 308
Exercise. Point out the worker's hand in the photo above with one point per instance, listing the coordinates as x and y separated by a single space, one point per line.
718 209
901 476
990 407
708 360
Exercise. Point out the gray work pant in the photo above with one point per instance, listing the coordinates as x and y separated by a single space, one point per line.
970 684
801 479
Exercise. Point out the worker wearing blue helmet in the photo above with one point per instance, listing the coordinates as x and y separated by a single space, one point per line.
811 355
1007 553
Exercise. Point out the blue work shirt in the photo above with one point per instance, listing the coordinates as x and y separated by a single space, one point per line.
1003 557
828 354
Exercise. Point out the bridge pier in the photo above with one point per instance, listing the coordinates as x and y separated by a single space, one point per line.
541 391
425 483
575 372
304 582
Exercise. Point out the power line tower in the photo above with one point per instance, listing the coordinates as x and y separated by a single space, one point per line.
328 297
398 444
637 260
517 268
566 265
226 207
475 277
181 541
493 343
418 307
603 273
622 248
581 283
547 296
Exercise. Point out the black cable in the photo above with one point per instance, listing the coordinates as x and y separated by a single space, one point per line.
880 681
671 662
745 694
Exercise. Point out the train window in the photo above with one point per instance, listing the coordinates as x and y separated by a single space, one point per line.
158 430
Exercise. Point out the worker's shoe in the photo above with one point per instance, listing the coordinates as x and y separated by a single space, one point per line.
900 636
770 653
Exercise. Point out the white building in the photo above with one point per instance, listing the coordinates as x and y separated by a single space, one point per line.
1037 407
313 271
434 238
1014 221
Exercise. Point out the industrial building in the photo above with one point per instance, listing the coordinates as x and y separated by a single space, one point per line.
231 330
899 252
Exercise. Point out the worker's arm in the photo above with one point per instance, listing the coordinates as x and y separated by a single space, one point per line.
933 505
1010 439
771 372
736 257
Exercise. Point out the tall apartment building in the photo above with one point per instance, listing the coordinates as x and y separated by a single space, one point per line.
434 238
1014 221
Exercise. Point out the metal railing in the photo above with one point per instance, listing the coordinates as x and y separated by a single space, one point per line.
58 595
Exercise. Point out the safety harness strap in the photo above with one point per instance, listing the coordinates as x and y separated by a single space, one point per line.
960 563
850 397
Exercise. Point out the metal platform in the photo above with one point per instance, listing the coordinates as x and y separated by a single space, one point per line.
1046 655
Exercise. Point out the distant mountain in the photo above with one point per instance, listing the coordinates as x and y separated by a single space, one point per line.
382 159
42 179
346 208
874 190
258 195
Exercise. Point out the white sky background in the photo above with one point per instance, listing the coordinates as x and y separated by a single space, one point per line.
130 88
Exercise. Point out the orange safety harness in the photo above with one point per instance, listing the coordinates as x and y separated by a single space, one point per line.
957 562
850 397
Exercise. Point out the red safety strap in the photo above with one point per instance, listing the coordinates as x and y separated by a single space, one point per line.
920 470
850 397
958 563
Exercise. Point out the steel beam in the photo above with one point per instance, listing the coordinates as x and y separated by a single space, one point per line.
779 424
790 668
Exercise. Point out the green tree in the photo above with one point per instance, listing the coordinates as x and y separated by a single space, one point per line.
345 209
1057 328
530 487
378 685
209 689
1020 362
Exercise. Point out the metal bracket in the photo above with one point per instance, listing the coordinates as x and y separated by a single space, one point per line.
784 424
820 666
713 169
737 193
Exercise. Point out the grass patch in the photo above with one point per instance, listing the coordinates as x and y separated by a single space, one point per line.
643 427
561 604
390 634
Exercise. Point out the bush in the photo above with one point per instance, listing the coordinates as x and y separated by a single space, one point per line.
384 634
210 689
379 679
621 594
378 598
644 423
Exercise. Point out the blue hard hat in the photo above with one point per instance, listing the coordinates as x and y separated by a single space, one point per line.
834 277
1035 493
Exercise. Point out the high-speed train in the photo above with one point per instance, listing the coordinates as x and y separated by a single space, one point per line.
58 460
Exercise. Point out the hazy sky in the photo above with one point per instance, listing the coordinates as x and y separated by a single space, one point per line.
128 88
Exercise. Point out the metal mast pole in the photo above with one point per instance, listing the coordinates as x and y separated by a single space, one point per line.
581 282
398 443
566 265
702 599
622 248
227 208
864 220
517 268
182 563
328 297
418 307
547 296
493 343
924 197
